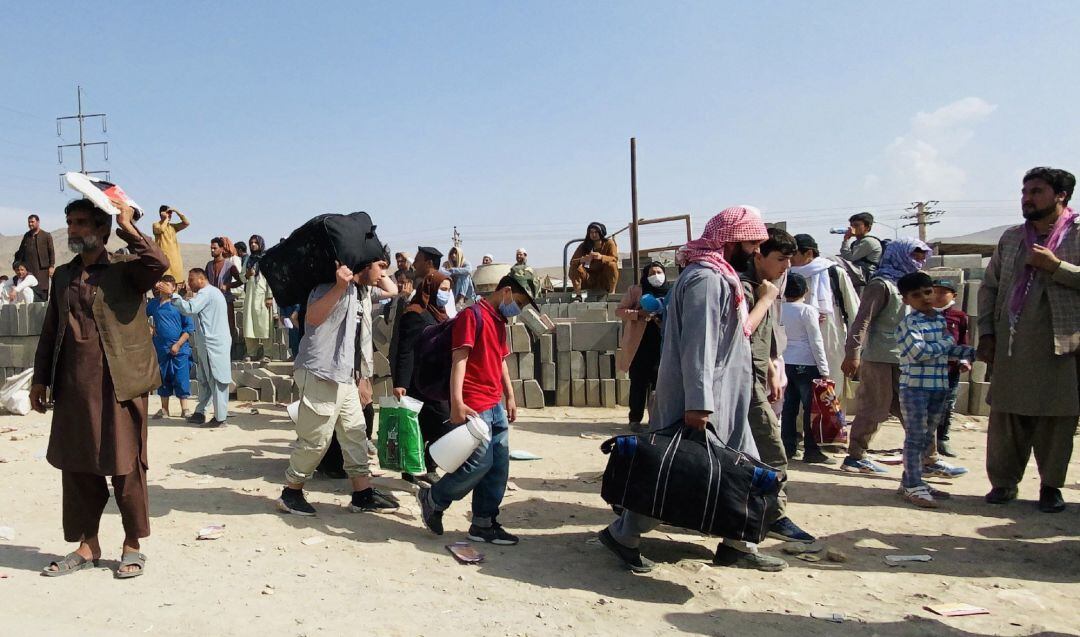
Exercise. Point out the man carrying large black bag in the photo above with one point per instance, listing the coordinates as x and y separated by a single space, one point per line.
705 369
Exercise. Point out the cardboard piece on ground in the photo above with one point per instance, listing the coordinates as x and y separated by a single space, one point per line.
956 610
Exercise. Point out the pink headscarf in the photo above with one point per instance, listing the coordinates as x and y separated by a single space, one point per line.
732 225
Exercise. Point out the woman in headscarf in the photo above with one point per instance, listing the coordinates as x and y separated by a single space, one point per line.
427 308
639 350
595 264
258 303
461 276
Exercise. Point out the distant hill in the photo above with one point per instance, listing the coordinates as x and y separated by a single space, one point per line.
989 236
194 254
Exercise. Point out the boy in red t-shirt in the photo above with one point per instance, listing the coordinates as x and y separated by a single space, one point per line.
479 381
956 323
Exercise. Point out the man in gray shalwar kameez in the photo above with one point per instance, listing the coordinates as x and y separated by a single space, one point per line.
705 374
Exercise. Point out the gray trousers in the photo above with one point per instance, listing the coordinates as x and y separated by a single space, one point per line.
766 431
629 527
1011 438
211 390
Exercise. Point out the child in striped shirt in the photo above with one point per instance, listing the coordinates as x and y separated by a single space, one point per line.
925 350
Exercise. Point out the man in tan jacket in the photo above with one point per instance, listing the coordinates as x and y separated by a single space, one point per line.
96 354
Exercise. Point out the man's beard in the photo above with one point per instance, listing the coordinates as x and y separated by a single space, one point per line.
1038 215
78 245
740 260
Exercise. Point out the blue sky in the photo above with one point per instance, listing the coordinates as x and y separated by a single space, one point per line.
512 120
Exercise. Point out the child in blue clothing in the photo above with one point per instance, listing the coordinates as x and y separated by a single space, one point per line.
172 333
926 348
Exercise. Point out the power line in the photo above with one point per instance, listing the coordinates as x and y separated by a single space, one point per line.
81 118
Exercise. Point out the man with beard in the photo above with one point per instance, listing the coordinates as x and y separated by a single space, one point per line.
36 251
96 354
1029 328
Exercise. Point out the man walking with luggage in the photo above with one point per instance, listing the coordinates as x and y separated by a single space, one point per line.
706 374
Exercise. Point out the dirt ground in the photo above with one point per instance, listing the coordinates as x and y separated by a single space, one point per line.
345 574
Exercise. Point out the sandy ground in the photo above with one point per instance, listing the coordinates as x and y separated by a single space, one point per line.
387 575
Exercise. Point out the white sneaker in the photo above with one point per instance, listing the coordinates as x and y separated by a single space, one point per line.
919 496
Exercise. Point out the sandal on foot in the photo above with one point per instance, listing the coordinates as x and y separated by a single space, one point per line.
131 558
72 562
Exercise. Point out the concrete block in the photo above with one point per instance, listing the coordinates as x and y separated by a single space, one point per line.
267 390
247 394
575 310
607 393
563 369
577 365
261 373
611 308
9 320
534 396
592 392
963 398
283 387
595 337
592 365
22 316
547 348
520 341
562 393
382 365
280 368
971 299
621 375
512 366
526 366
622 392
563 336
547 377
536 324
977 397
577 393
962 261
978 372
607 366
519 392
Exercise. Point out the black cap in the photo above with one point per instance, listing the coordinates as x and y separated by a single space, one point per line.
806 242
521 282
945 283
430 253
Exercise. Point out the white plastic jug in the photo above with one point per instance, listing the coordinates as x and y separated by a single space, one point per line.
452 450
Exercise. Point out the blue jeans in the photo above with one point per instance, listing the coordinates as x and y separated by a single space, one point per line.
799 394
484 473
923 409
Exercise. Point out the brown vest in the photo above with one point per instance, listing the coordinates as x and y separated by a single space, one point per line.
120 314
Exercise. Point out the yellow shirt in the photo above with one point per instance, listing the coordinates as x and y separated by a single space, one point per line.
165 237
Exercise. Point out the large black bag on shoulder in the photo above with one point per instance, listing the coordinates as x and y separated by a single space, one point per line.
304 260
692 480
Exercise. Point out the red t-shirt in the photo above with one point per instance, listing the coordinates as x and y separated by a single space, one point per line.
483 388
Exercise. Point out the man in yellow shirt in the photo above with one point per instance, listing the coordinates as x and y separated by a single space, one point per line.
165 236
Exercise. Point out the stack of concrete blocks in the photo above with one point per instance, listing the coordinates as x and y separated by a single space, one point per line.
585 364
528 337
967 272
20 327
261 382
382 329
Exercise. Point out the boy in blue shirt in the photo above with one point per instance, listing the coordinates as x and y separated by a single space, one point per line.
925 350
172 333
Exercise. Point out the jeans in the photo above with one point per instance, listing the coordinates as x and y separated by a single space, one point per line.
484 473
923 410
799 394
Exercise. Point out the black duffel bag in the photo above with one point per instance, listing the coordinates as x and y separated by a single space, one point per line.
307 258
692 480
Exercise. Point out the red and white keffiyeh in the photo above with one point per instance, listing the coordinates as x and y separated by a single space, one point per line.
732 225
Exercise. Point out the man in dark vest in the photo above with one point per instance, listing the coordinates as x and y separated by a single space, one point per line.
96 354
36 251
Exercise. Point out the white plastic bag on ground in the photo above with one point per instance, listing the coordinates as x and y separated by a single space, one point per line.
15 393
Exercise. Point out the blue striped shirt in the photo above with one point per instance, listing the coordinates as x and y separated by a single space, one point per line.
925 350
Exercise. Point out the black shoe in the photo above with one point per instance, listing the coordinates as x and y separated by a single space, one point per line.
431 477
432 518
213 424
293 501
197 418
945 449
729 556
371 500
786 530
1001 495
494 534
817 456
1050 500
631 557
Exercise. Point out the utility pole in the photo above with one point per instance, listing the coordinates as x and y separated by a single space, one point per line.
923 214
635 258
456 238
81 118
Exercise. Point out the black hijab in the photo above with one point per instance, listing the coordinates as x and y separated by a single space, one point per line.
601 228
647 287
253 256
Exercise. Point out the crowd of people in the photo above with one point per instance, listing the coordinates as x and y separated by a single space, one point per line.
731 338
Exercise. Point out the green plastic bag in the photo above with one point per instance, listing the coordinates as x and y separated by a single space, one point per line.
400 445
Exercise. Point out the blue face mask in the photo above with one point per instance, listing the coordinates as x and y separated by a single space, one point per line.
443 298
510 309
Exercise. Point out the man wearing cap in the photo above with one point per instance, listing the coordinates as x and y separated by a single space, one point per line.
96 354
831 292
706 371
479 383
427 261
488 259
521 264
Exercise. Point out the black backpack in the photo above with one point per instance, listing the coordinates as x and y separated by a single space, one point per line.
294 267
431 373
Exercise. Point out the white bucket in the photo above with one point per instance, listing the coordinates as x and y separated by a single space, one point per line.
452 450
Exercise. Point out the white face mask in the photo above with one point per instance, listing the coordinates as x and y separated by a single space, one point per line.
657 279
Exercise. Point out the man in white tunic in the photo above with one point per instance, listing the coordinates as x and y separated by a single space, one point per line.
212 343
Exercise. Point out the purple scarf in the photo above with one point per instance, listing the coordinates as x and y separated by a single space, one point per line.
1022 286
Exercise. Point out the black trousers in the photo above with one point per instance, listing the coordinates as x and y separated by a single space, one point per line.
643 371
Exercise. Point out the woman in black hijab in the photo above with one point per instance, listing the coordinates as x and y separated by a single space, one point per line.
639 351
595 265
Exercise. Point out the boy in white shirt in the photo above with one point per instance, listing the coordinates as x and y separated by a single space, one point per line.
804 362
19 289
